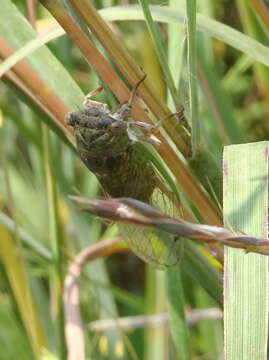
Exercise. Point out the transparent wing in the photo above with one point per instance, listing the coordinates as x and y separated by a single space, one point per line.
153 245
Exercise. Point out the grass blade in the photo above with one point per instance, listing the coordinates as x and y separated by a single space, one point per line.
176 303
214 28
246 275
30 47
192 78
56 242
155 338
42 60
36 246
176 47
156 37
16 271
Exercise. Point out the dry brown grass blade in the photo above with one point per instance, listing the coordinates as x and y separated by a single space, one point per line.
130 323
137 213
31 13
74 333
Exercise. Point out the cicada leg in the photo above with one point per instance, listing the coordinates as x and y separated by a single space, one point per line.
91 104
149 129
179 114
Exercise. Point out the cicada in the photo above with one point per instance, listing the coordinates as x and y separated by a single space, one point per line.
108 144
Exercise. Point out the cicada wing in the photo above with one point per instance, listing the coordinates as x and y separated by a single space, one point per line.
153 245
168 204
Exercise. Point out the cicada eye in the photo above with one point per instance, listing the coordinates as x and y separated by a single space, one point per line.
118 126
71 118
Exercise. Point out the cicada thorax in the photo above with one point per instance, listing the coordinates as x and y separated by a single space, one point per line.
128 174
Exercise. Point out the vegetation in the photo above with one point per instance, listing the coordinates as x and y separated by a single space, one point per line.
60 284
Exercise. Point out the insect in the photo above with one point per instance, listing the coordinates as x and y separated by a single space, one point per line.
108 144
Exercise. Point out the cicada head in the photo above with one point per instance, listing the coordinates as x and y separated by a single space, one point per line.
99 136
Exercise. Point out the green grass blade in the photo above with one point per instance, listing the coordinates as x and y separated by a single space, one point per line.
17 32
246 275
13 339
210 332
55 241
220 104
255 28
252 48
214 28
176 303
176 46
155 337
242 64
27 239
30 47
16 270
192 78
159 47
